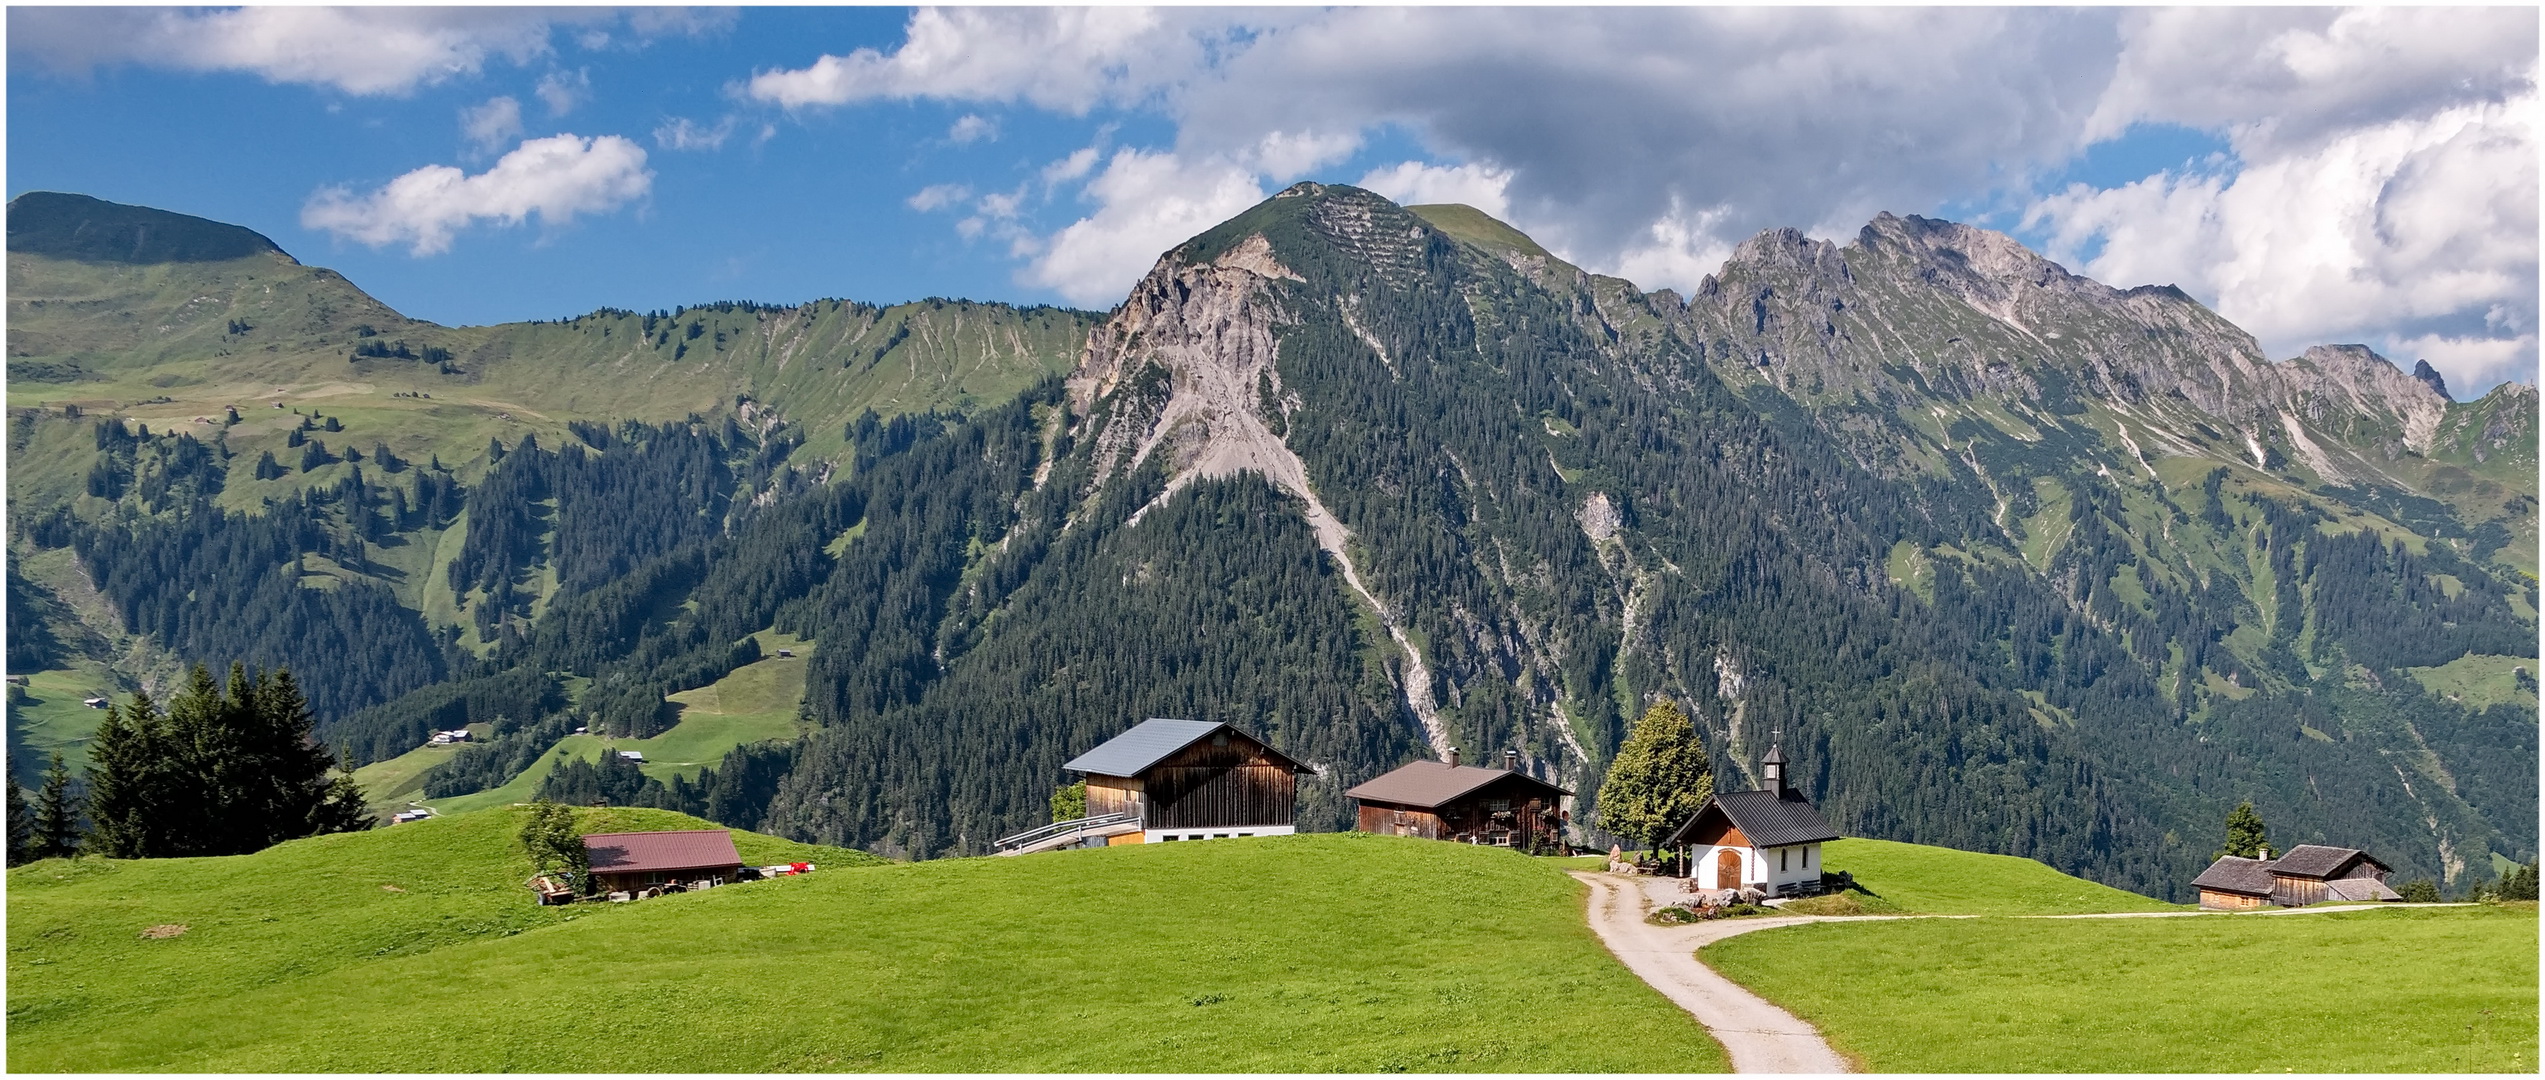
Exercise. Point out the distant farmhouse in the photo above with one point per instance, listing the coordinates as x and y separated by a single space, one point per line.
1444 800
1767 839
2305 874
634 862
1168 780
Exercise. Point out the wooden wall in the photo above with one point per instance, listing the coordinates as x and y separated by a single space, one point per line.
2228 901
1113 795
1223 781
1513 811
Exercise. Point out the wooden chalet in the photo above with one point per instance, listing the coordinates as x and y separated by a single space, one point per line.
1188 780
1767 839
1444 800
2305 874
634 862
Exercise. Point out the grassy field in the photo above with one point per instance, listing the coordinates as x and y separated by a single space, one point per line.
1311 953
757 702
2372 991
2479 681
399 780
1942 881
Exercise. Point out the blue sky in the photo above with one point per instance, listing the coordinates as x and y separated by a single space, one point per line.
2316 175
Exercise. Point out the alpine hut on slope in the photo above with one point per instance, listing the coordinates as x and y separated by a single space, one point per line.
1444 800
1175 780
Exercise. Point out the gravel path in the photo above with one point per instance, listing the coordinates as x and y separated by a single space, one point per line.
1760 1037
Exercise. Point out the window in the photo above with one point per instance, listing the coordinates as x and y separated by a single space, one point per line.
1783 857
1500 806
1807 857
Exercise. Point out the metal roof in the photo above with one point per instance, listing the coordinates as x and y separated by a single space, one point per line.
2360 888
1133 752
2318 861
2234 874
1434 783
1767 818
646 852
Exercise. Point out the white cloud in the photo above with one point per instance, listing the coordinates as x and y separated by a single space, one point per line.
682 133
938 196
1079 163
2295 76
1146 203
2418 232
358 50
1067 59
972 128
1286 155
556 177
492 124
1414 183
561 91
1685 245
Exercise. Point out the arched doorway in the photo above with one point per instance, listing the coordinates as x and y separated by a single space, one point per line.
1727 869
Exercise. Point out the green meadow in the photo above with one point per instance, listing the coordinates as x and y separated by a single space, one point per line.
1917 879
2401 990
415 949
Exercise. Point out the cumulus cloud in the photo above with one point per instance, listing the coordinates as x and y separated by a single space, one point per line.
1145 203
1066 59
556 177
972 128
492 124
358 50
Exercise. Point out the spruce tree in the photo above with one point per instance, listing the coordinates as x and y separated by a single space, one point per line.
21 824
1660 778
2246 834
57 814
128 763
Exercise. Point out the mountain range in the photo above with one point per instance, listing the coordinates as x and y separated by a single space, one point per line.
2006 559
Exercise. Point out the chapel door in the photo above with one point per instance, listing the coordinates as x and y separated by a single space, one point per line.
1727 869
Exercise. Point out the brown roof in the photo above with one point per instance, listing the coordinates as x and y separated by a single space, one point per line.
647 852
1435 783
2319 861
2248 877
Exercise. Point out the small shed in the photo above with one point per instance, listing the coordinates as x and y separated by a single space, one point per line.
1444 800
2305 874
1767 839
1191 780
627 862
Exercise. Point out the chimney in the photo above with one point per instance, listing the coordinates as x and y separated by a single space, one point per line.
1511 760
1453 757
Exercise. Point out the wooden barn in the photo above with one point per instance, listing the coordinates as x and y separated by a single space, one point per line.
2305 874
1189 780
1444 800
633 862
1767 839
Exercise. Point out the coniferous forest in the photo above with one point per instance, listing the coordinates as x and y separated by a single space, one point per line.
1559 500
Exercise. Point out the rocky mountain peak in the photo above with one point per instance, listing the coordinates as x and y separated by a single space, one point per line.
2422 370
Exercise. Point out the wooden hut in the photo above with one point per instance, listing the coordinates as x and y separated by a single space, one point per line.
1190 780
1444 800
2305 874
1767 839
632 862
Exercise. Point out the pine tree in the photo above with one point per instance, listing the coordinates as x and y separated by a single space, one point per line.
2246 834
1660 778
21 824
57 814
126 763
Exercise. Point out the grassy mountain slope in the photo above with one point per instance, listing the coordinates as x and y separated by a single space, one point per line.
1346 953
2412 991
